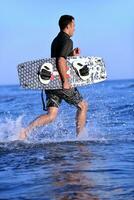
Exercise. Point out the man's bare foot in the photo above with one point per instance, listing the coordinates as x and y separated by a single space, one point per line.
23 134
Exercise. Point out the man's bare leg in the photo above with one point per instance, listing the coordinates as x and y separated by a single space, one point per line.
39 121
81 116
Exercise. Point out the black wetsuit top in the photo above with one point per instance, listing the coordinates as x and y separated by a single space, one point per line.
61 46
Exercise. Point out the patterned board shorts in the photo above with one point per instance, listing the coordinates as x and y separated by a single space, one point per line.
55 97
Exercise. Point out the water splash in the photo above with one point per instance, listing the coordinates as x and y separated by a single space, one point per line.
10 128
57 131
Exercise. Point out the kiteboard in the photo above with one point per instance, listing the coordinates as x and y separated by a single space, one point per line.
43 73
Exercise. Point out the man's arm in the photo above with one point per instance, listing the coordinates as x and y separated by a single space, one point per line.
61 65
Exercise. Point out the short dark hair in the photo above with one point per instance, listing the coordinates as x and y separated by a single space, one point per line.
64 21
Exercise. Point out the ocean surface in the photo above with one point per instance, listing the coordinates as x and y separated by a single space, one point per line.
52 164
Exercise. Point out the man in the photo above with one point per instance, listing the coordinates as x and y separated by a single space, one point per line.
62 46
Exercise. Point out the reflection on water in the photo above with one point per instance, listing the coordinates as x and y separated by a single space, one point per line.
70 170
71 178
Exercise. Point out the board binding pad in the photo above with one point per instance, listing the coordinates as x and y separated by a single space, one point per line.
43 74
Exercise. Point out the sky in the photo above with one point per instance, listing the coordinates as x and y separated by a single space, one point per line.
103 28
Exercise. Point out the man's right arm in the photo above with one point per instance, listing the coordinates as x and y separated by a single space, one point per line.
61 65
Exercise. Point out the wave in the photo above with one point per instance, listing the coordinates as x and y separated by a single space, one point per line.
131 86
26 145
5 99
124 86
126 109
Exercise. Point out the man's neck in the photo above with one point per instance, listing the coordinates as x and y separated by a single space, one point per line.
66 32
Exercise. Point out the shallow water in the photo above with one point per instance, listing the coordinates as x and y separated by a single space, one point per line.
53 163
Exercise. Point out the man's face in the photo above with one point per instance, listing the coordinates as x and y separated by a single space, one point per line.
71 28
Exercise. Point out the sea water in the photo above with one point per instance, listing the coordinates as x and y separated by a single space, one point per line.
53 164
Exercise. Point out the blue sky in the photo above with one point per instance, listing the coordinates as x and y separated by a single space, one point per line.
103 28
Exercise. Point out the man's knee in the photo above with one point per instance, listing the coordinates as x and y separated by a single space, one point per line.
83 105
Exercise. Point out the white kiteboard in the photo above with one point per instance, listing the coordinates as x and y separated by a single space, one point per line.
43 74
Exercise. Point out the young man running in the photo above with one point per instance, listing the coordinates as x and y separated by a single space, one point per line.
62 46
